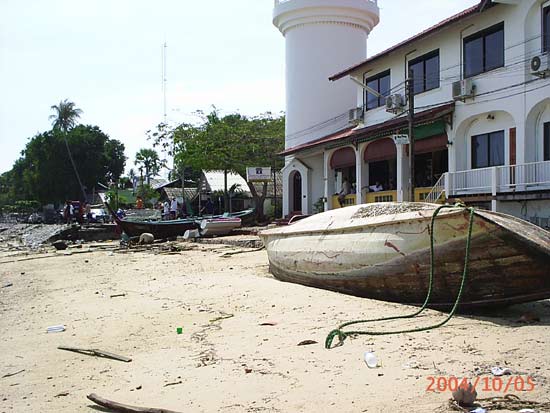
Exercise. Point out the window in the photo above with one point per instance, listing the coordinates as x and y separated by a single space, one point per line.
484 51
546 29
488 150
381 84
547 141
425 72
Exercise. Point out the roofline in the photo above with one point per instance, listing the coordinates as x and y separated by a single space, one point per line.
352 135
482 6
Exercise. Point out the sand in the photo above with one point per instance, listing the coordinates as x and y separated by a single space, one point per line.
225 360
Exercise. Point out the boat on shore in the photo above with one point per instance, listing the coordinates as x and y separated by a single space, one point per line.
217 226
382 251
177 227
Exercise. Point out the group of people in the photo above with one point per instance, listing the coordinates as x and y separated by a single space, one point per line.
170 209
75 211
348 188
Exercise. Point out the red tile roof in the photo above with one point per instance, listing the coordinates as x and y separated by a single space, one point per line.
484 4
351 135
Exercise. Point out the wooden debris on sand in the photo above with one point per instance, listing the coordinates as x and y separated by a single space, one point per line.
96 352
124 408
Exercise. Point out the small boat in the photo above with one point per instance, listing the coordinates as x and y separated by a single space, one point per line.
159 229
382 251
218 226
177 227
247 216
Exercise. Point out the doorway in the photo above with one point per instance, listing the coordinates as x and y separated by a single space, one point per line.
297 191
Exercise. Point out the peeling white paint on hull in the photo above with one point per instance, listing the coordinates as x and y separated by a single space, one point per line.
381 251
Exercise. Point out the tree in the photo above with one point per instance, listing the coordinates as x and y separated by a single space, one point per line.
230 143
44 171
66 115
150 161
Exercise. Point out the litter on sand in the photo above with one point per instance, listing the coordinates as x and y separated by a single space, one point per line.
371 360
499 371
56 329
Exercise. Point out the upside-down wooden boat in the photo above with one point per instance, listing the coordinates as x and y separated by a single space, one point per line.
382 251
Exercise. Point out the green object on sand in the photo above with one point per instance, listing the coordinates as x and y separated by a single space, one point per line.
179 330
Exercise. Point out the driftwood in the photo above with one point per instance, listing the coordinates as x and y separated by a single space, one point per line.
124 408
95 352
13 374
230 253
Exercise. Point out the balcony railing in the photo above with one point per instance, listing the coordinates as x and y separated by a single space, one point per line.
437 193
382 196
348 201
500 179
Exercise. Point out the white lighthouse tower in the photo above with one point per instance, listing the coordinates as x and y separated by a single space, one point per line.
322 38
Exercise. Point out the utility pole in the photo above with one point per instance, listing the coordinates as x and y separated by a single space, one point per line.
410 99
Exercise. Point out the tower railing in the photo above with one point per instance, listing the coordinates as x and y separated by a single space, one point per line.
277 2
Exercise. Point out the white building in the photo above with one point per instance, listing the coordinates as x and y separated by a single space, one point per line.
482 116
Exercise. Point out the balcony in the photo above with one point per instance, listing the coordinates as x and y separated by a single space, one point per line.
348 201
533 176
382 196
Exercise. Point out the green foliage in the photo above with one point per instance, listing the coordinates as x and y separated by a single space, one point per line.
66 115
149 162
147 193
230 143
319 206
44 171
24 207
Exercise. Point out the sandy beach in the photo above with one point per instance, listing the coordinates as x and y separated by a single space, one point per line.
225 359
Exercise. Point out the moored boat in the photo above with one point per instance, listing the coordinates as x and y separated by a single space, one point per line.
382 251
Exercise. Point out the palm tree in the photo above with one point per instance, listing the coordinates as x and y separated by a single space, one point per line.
63 120
150 161
65 116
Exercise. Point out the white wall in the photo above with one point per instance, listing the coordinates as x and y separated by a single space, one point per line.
322 37
526 210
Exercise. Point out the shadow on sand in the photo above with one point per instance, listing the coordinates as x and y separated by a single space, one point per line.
519 315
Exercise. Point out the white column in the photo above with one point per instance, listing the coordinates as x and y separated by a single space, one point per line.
494 188
448 177
286 188
521 142
329 180
403 192
358 176
305 192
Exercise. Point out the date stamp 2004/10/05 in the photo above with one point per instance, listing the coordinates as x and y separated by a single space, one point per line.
497 384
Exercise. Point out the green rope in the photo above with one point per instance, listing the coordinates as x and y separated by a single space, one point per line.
342 335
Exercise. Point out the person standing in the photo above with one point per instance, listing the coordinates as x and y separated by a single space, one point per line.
68 212
174 208
346 190
209 207
166 211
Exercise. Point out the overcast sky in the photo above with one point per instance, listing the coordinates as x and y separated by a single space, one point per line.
106 56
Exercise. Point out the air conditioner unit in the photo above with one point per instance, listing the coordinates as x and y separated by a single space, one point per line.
540 65
394 103
356 115
463 89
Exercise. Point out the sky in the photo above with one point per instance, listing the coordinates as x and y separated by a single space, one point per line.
107 57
